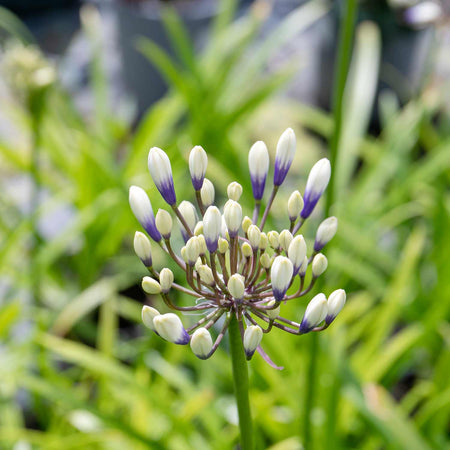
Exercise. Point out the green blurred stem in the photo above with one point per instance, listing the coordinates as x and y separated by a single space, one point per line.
347 28
310 390
240 377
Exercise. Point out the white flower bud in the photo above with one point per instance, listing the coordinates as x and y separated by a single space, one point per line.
265 260
264 241
148 314
315 313
252 338
201 343
198 230
164 223
233 217
317 182
275 312
236 286
297 252
285 239
143 248
246 250
281 276
319 265
326 231
223 246
170 328
198 161
161 172
183 253
274 239
284 156
166 279
192 250
206 274
212 224
258 164
189 213
201 244
234 191
254 236
295 205
303 267
150 286
336 302
246 224
142 209
207 193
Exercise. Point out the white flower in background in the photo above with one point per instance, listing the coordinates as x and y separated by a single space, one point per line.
232 267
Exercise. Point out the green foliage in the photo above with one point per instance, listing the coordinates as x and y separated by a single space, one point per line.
83 374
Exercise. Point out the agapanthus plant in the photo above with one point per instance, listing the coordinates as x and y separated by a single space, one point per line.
238 275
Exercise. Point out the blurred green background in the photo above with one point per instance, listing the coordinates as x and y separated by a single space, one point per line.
77 367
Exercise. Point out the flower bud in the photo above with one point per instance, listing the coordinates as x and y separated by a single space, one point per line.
236 286
192 250
297 252
319 265
206 274
254 236
265 260
317 182
212 224
326 231
198 161
246 224
150 286
164 223
274 239
275 312
258 164
234 191
201 343
223 246
252 338
143 248
207 193
315 313
295 205
189 213
285 239
166 279
233 217
170 328
148 314
142 210
161 172
201 244
264 241
284 156
198 230
246 250
281 276
303 267
336 302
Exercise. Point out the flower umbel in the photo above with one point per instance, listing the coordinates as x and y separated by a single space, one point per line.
234 268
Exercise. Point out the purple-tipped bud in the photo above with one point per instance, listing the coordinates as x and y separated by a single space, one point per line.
201 343
315 313
233 217
161 172
284 156
297 252
252 338
170 328
281 276
258 164
143 248
189 213
326 231
315 186
336 302
212 225
198 161
142 210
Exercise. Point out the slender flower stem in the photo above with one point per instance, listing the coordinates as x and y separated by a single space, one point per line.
269 205
240 377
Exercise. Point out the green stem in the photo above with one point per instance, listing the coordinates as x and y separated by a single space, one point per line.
240 377
310 390
347 28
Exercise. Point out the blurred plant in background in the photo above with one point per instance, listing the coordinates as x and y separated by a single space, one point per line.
75 367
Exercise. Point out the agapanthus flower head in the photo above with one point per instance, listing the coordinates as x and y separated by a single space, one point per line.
233 268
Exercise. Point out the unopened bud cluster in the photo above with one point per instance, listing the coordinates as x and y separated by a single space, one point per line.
232 266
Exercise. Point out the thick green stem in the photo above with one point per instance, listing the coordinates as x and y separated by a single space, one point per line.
240 377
